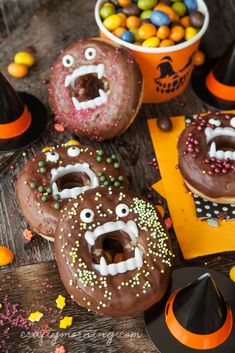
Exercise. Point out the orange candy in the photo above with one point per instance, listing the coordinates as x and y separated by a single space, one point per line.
185 21
133 21
118 258
168 10
163 32
176 33
119 31
146 31
123 18
123 3
198 58
17 70
166 43
6 256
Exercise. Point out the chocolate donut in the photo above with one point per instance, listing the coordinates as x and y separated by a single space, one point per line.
206 152
113 252
58 174
95 88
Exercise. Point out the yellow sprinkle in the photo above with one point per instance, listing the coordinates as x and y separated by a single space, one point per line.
46 149
66 322
72 143
0 306
36 316
232 274
60 302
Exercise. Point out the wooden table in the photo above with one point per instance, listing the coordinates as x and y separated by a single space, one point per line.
33 282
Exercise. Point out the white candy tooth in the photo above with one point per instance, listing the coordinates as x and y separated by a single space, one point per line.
233 156
103 96
208 131
219 154
212 151
53 172
54 188
74 192
133 228
76 103
85 165
112 269
91 104
89 236
67 80
103 267
138 257
65 194
131 264
121 266
98 101
228 154
100 71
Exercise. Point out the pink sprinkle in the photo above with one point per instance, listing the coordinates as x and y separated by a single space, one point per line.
58 127
27 234
168 223
60 349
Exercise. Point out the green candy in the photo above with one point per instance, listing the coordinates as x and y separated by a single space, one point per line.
99 159
32 185
41 163
57 206
44 198
146 4
56 197
120 178
179 8
109 160
106 183
42 170
40 188
116 165
100 152
146 14
106 11
117 184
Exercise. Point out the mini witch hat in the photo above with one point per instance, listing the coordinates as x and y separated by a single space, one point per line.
214 82
23 117
196 315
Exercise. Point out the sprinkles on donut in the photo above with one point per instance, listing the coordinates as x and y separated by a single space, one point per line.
206 150
95 88
58 174
113 252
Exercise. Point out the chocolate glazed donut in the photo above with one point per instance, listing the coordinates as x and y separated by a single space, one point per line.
95 88
58 174
206 151
113 253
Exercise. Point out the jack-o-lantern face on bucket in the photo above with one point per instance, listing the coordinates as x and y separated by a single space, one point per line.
113 252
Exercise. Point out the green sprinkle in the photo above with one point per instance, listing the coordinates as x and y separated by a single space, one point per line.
117 184
42 170
40 188
112 179
116 165
32 185
56 197
49 190
120 178
100 152
102 178
106 183
100 174
44 198
114 156
57 206
99 159
41 163
109 160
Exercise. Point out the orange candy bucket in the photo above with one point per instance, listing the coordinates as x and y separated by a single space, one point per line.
166 71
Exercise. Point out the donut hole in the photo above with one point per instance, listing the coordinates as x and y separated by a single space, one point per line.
224 143
72 180
87 87
113 247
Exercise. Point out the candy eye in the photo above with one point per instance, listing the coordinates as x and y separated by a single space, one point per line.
90 53
215 122
68 60
52 156
73 151
87 215
122 210
232 122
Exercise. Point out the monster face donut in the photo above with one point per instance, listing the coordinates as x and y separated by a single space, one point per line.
113 252
207 157
58 174
95 89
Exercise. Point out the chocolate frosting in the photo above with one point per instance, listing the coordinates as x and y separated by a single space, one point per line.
41 206
122 82
79 247
213 177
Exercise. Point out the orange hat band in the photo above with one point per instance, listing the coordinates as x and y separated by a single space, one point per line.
219 89
17 127
193 340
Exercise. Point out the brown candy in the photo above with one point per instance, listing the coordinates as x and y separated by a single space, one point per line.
131 10
196 19
164 123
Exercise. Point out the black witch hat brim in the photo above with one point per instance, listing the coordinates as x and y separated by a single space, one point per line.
154 317
198 82
36 128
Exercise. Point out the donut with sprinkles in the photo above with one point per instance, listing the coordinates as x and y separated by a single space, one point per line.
113 252
58 174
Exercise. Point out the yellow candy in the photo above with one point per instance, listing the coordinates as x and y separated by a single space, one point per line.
108 256
46 149
151 42
66 322
24 58
35 317
232 273
60 302
190 32
112 22
6 256
72 143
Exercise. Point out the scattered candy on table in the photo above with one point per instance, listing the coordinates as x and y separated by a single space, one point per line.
60 302
232 273
22 62
199 58
17 70
6 256
35 317
151 23
66 322
24 58
27 234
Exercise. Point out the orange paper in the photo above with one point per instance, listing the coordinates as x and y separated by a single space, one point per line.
196 237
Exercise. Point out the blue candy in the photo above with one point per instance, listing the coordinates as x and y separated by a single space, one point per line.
191 5
159 18
127 36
